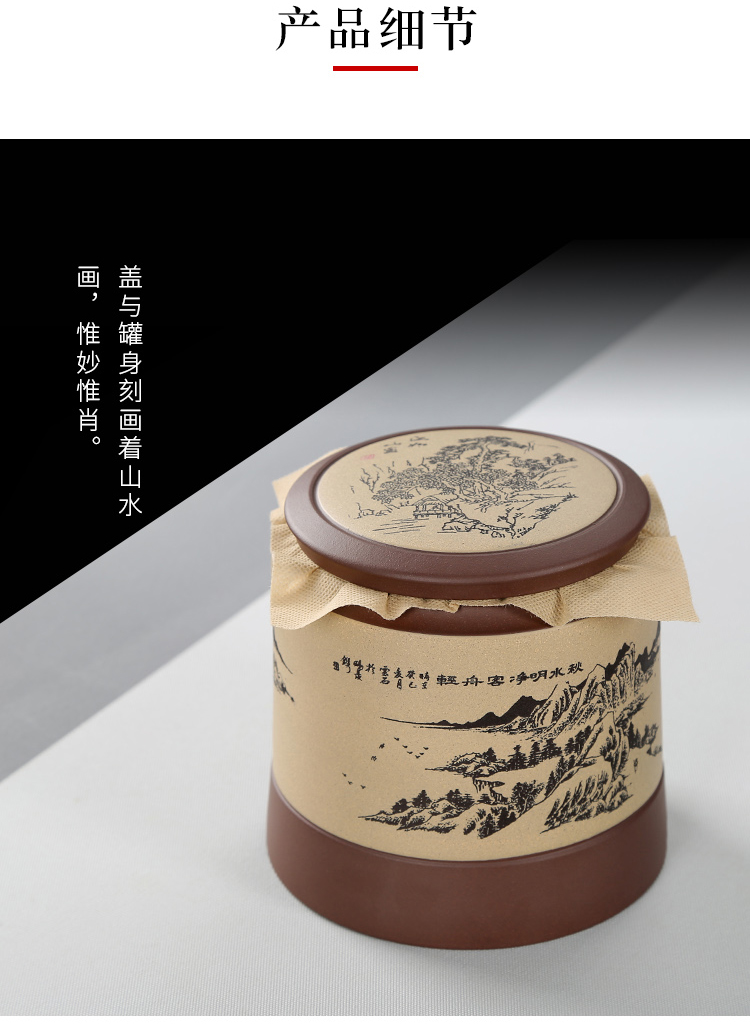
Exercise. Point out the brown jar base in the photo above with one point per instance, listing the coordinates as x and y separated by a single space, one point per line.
495 904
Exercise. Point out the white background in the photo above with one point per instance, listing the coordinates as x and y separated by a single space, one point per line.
535 69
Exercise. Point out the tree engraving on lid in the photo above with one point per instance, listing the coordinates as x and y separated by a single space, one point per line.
458 491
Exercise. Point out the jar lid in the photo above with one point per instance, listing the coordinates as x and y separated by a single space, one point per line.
467 513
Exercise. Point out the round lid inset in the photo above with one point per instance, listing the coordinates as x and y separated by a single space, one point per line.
467 512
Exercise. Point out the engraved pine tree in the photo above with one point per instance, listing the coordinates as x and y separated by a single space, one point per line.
487 484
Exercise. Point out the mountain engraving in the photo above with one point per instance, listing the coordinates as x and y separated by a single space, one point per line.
520 709
278 681
575 755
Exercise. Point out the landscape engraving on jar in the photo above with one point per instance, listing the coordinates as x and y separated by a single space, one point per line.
466 662
467 747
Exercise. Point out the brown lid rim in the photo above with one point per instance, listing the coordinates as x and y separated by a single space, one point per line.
468 576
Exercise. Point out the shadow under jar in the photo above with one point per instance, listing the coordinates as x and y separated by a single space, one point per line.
474 778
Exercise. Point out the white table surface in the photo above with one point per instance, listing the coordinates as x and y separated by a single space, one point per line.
133 872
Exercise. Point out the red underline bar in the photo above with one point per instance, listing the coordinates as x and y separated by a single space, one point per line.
376 68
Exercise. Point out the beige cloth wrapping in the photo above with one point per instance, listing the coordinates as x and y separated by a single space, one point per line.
649 582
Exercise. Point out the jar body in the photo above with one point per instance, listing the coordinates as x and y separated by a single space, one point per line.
488 770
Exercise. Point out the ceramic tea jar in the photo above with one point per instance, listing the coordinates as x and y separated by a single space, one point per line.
471 776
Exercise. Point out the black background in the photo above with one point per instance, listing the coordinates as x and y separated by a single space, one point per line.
236 351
